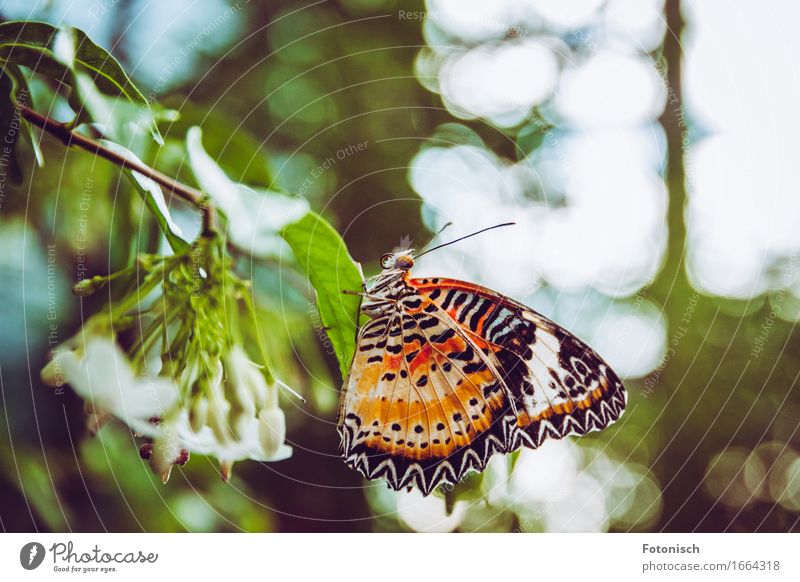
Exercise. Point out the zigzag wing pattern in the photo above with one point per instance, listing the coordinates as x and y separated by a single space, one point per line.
422 404
559 385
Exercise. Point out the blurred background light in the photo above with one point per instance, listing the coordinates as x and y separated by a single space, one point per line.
638 24
428 514
486 81
566 15
545 475
743 176
785 483
732 477
632 337
474 21
610 89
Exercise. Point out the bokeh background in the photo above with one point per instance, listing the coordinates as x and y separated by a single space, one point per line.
646 150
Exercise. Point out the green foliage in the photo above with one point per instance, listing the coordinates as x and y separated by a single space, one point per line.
21 94
153 197
58 52
102 92
10 135
324 257
232 168
14 91
70 57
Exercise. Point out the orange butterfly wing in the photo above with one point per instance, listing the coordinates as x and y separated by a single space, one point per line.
421 405
460 373
559 385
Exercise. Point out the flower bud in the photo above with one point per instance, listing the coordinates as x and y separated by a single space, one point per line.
190 373
183 457
218 420
253 386
198 413
225 470
239 421
236 384
271 430
165 473
86 287
164 453
52 374
95 421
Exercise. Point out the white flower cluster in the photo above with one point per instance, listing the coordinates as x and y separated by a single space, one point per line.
235 417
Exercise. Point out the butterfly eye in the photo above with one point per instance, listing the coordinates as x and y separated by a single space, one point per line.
386 261
404 262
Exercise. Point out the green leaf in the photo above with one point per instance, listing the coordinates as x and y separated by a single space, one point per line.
60 53
10 122
40 46
118 120
28 44
107 72
324 257
38 483
22 95
532 136
154 199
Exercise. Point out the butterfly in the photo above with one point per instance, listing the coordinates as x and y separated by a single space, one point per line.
448 373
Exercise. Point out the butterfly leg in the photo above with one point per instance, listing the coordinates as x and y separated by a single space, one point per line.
377 298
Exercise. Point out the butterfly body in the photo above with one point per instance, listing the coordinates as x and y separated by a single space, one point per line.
447 373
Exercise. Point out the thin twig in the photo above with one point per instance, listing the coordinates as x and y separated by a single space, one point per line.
70 137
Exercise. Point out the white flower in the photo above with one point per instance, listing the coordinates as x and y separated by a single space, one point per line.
234 417
237 417
272 430
255 217
248 383
248 445
104 378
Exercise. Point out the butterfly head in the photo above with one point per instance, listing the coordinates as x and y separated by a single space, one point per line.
400 260
389 284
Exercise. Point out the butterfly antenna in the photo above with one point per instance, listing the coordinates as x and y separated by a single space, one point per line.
438 232
463 237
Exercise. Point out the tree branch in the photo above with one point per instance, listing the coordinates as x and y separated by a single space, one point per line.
674 122
72 138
